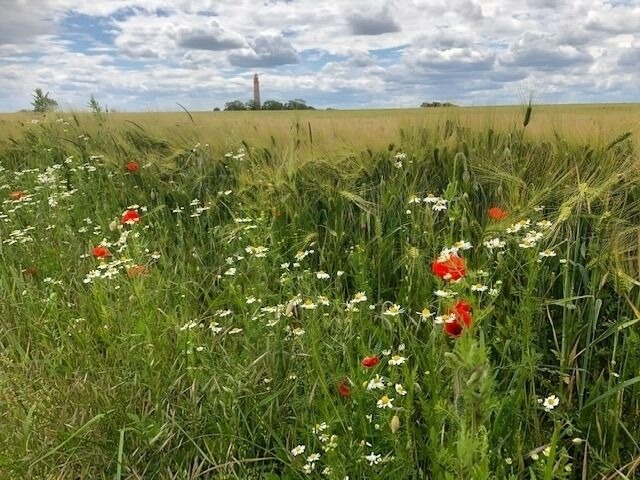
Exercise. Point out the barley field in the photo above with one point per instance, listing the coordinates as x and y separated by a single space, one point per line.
346 131
441 294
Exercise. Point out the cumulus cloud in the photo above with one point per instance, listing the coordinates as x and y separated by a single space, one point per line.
469 9
265 52
542 51
449 52
210 37
623 19
19 24
338 53
147 35
461 9
455 59
543 3
630 57
360 72
376 23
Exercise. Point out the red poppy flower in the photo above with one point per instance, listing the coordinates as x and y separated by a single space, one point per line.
452 268
17 195
343 389
461 311
130 217
136 271
370 361
100 252
132 167
496 213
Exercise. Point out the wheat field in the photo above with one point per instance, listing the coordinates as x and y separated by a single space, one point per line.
339 131
407 294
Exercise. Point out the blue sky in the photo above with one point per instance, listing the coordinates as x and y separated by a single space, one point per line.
151 54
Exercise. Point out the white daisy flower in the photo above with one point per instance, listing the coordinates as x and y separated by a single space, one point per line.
373 458
479 288
314 457
400 389
385 402
376 383
444 293
299 450
397 360
393 311
550 402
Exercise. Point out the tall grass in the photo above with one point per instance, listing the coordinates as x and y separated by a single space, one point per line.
212 344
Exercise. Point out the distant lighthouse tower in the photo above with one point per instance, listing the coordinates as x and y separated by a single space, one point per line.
256 92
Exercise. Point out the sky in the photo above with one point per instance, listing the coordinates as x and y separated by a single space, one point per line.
149 55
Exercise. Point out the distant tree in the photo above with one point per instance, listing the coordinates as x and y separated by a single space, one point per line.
234 105
298 104
436 104
295 104
217 109
272 105
42 103
252 105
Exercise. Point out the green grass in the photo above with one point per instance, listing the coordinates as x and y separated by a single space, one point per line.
228 347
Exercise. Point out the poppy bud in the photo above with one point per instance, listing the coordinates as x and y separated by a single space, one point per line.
343 389
395 424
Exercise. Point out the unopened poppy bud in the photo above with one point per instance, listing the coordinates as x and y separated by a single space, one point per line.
395 424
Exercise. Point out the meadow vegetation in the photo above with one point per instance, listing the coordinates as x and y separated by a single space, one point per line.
275 295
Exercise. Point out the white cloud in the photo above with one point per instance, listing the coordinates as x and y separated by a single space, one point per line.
630 57
541 51
19 25
265 52
148 35
369 22
614 20
343 52
208 37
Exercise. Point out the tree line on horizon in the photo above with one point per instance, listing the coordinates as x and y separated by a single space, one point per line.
43 103
295 104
